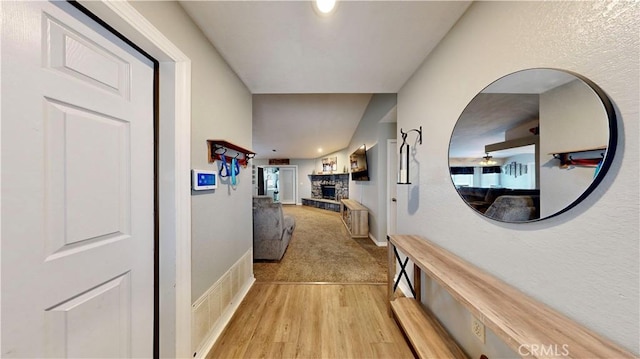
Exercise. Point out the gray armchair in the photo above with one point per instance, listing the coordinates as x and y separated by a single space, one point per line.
512 209
272 229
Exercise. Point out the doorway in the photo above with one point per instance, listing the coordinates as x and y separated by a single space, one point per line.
279 182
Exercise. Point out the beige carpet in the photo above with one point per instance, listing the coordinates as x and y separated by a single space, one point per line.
321 250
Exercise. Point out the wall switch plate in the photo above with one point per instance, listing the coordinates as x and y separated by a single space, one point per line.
477 328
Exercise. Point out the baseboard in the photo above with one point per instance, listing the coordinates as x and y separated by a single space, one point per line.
224 320
211 313
375 241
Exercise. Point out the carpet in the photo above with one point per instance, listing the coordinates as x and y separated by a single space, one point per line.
321 250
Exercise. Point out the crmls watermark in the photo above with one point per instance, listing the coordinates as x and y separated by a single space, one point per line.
542 350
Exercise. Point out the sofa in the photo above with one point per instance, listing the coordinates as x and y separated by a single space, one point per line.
272 229
482 198
512 209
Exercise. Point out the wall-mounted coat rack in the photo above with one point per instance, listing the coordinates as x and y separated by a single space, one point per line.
584 158
220 148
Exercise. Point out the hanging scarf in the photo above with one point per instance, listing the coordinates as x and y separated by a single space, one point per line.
229 170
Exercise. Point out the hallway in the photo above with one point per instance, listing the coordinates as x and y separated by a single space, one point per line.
321 250
312 321
326 298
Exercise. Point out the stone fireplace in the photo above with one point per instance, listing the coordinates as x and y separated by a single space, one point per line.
327 191
335 186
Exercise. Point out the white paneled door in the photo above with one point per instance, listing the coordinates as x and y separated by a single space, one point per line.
76 187
288 180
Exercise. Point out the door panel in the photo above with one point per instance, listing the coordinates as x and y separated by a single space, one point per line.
287 178
77 56
77 187
94 324
86 205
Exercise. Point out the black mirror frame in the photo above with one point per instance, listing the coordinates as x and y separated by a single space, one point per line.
608 158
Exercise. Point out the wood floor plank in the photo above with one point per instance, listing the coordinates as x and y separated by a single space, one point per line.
283 332
309 309
238 337
312 321
332 343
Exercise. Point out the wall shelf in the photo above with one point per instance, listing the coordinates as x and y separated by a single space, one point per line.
218 148
584 157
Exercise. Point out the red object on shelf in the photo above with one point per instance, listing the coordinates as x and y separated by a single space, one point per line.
567 160
217 148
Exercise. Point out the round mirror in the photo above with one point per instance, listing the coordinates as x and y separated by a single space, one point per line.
532 145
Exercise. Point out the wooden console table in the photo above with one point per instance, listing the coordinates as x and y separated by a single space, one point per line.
520 321
355 217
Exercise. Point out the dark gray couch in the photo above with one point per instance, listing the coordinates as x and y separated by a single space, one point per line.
272 229
512 209
482 198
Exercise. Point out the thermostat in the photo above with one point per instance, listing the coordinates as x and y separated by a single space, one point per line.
203 180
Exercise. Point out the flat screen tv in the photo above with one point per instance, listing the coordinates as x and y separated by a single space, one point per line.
358 162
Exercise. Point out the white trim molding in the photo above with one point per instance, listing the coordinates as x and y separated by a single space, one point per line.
375 241
174 165
213 310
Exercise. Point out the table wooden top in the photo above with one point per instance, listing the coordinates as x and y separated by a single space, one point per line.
519 320
353 205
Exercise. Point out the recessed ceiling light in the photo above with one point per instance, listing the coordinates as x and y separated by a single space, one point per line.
324 7
319 150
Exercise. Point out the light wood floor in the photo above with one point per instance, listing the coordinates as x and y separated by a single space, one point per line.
278 320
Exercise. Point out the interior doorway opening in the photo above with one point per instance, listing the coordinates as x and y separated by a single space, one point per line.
279 182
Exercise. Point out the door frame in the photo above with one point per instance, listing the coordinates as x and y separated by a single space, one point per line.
174 163
392 148
295 179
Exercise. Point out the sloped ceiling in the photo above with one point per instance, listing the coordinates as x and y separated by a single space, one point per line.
285 48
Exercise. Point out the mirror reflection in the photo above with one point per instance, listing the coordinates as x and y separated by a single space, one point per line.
531 145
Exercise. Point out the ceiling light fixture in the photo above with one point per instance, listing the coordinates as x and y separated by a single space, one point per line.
487 161
324 7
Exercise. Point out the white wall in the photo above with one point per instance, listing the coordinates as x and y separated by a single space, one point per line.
221 109
583 263
305 167
374 134
342 161
565 128
522 180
